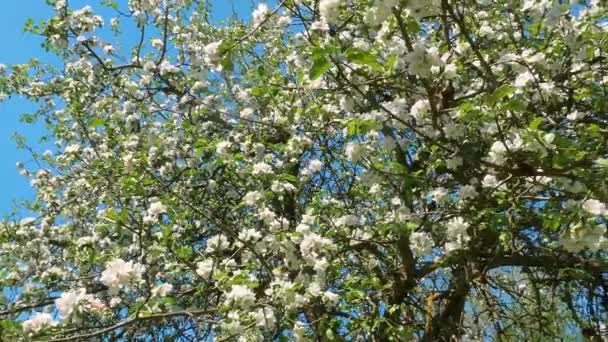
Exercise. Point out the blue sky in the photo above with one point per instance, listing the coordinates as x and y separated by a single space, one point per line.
19 47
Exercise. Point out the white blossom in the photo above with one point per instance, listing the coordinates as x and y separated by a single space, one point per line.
68 302
119 273
241 296
212 55
348 220
252 197
38 322
156 208
204 268
216 243
579 238
490 181
265 318
162 290
157 44
421 243
456 234
420 109
261 169
259 14
355 151
315 165
329 10
523 79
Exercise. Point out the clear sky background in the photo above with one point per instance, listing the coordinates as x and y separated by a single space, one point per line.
18 47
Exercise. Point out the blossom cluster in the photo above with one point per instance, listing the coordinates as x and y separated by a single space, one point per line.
312 171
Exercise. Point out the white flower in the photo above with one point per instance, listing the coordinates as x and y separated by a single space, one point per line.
166 67
204 268
454 162
156 208
315 165
259 14
67 303
119 273
319 26
212 54
240 295
216 243
157 44
420 108
108 49
523 79
354 151
497 153
576 115
71 149
162 290
312 244
60 4
314 289
348 220
450 71
267 215
38 322
331 297
490 181
440 195
468 191
421 243
595 207
247 113
261 168
420 60
321 265
252 197
457 226
329 10
456 234
95 304
222 148
278 187
486 30
249 235
578 238
264 317
283 21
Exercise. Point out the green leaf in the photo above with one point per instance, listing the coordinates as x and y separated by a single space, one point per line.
535 124
363 57
289 178
227 64
354 295
184 252
258 91
320 66
359 126
391 62
97 122
500 93
110 3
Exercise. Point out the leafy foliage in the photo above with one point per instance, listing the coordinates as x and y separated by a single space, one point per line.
334 170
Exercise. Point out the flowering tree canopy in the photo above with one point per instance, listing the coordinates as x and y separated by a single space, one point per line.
325 170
